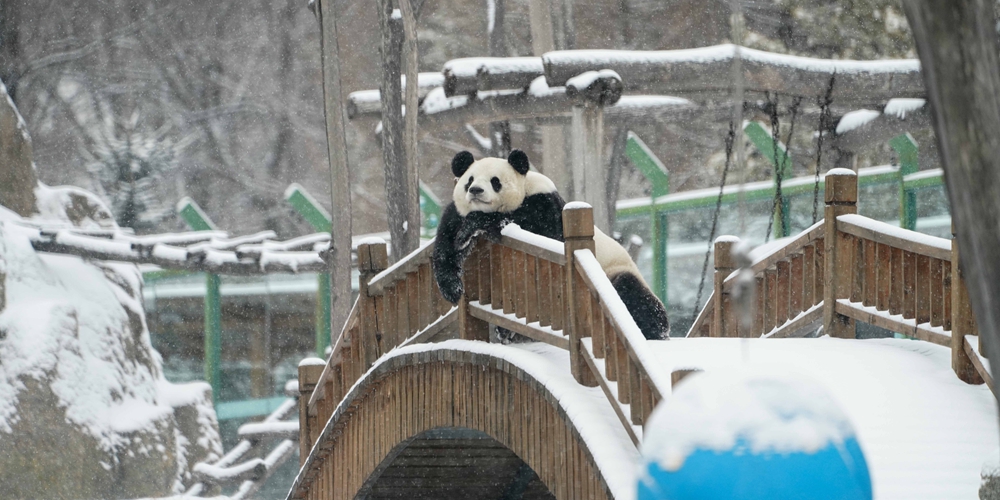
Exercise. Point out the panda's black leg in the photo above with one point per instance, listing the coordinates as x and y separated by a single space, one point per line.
647 310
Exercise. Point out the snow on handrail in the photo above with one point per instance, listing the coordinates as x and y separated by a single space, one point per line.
904 239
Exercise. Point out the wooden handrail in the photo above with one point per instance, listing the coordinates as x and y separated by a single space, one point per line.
399 270
895 237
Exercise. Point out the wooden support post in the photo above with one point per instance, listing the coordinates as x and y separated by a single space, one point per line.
310 370
334 98
402 205
841 198
372 259
589 183
962 322
724 266
578 230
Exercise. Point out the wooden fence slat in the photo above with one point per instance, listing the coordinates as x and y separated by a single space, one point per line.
883 276
783 276
923 289
624 382
819 271
558 299
496 277
544 293
610 352
520 284
402 308
426 297
936 288
909 285
858 279
761 298
507 259
946 293
771 301
599 335
485 274
896 281
870 268
531 289
796 286
809 276
413 301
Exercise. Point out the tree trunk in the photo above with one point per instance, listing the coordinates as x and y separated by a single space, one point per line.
340 180
17 173
499 131
957 44
402 207
408 9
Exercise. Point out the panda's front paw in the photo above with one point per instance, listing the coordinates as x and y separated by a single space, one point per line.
452 289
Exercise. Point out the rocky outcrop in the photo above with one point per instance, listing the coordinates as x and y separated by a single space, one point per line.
84 409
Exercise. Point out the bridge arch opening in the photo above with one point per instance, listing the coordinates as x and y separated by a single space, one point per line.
453 463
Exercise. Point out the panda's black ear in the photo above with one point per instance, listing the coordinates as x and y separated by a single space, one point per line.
460 163
519 161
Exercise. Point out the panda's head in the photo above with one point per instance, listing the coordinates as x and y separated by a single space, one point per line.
490 184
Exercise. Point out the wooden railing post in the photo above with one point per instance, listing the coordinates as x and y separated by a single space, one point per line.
724 266
841 198
961 319
578 230
372 259
310 370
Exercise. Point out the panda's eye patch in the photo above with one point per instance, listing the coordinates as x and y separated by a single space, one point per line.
468 184
496 184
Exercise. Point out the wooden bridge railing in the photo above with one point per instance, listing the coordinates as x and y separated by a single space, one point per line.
855 269
535 286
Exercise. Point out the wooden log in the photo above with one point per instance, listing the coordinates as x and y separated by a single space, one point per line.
709 69
578 230
724 266
841 196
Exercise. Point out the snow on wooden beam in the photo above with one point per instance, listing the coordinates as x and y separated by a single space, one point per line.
469 75
251 470
709 69
260 256
861 128
365 102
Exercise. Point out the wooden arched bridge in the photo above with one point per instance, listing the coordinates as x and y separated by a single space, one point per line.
415 402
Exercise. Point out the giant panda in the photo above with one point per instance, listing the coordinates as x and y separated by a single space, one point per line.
493 192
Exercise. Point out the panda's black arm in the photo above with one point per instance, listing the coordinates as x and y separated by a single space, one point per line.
541 214
448 256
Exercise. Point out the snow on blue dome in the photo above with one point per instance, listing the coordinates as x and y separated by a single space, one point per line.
751 434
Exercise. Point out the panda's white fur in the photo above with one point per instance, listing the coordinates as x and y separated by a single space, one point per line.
614 259
515 187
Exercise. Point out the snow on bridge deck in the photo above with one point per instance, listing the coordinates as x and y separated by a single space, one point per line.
925 433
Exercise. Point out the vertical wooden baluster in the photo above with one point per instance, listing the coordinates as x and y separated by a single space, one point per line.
485 274
809 297
425 296
496 277
883 264
391 316
402 309
896 282
783 275
841 197
520 284
624 378
909 285
946 293
544 293
531 289
308 377
558 293
761 298
413 301
936 290
724 266
599 321
635 391
796 286
819 271
923 289
508 280
470 327
771 301
871 273
858 281
610 351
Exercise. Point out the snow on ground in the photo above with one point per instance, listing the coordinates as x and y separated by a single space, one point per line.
924 432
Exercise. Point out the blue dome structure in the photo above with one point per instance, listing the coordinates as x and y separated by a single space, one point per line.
751 435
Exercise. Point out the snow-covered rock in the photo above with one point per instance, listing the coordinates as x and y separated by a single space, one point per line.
85 411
